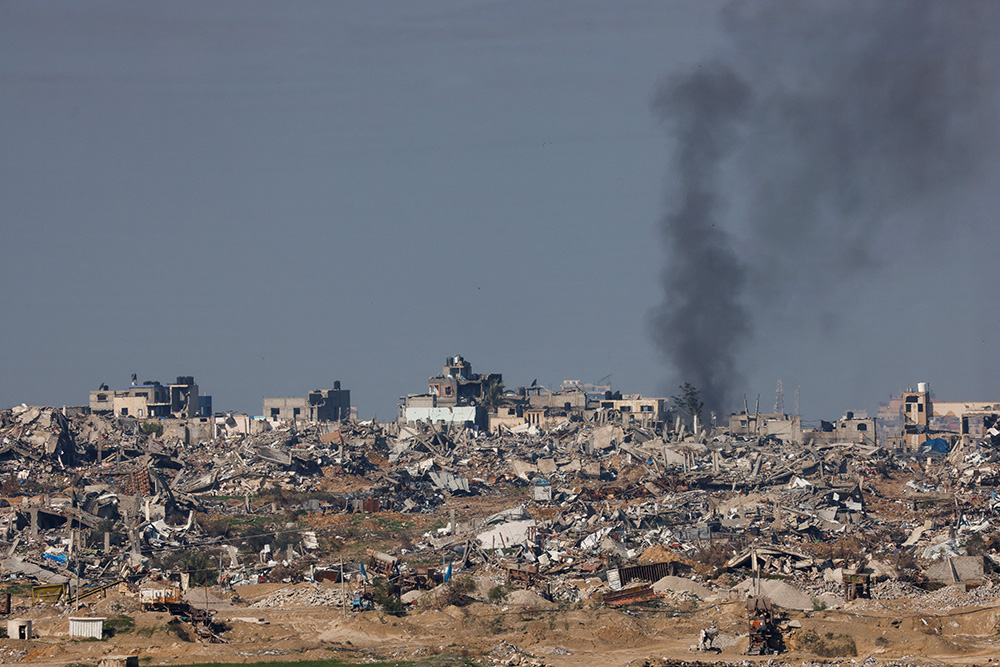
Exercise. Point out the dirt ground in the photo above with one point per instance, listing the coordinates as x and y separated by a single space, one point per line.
551 636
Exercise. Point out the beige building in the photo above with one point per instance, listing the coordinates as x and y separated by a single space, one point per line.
543 418
152 400
319 406
853 427
777 425
925 417
635 408
506 416
566 399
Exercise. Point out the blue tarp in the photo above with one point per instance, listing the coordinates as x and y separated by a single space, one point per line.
937 445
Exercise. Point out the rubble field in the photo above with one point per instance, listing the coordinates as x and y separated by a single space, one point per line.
595 542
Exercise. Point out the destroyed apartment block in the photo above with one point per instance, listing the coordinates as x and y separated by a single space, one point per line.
459 397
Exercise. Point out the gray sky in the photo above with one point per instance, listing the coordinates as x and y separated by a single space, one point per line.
273 196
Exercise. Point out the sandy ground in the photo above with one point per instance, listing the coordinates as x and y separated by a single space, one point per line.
552 636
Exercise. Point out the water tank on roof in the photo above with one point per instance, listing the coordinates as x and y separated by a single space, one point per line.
922 387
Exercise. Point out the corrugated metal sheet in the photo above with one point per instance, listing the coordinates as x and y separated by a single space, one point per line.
86 627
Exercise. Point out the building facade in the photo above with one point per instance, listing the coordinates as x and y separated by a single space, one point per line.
456 397
320 405
152 400
925 418
458 385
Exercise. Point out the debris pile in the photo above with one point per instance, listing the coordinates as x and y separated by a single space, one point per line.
603 511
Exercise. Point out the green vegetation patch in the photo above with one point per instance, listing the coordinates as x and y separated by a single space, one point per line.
829 645
118 625
152 428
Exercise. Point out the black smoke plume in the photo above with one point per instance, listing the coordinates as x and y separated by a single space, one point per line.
807 157
702 322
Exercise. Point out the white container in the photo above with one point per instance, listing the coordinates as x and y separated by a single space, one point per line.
86 627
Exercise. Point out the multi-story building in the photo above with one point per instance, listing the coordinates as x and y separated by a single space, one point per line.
319 406
152 400
764 425
458 385
852 427
633 407
925 417
456 396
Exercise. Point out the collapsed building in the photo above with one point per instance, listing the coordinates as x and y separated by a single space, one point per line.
598 505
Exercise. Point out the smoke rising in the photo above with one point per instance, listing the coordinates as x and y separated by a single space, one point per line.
703 321
806 158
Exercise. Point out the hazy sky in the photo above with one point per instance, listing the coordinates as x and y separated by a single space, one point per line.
274 196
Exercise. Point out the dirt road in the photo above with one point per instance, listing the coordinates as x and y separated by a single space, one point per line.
880 630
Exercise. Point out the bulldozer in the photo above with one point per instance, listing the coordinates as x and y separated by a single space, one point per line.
765 637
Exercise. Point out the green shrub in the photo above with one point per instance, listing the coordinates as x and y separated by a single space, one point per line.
152 428
17 588
118 625
201 565
386 596
458 591
498 594
829 645
496 625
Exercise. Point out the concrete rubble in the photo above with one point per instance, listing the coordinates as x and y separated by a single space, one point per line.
631 512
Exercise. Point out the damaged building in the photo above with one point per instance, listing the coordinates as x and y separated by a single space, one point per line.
152 400
319 405
589 508
917 417
457 396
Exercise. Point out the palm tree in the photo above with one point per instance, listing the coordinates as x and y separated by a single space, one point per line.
493 394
